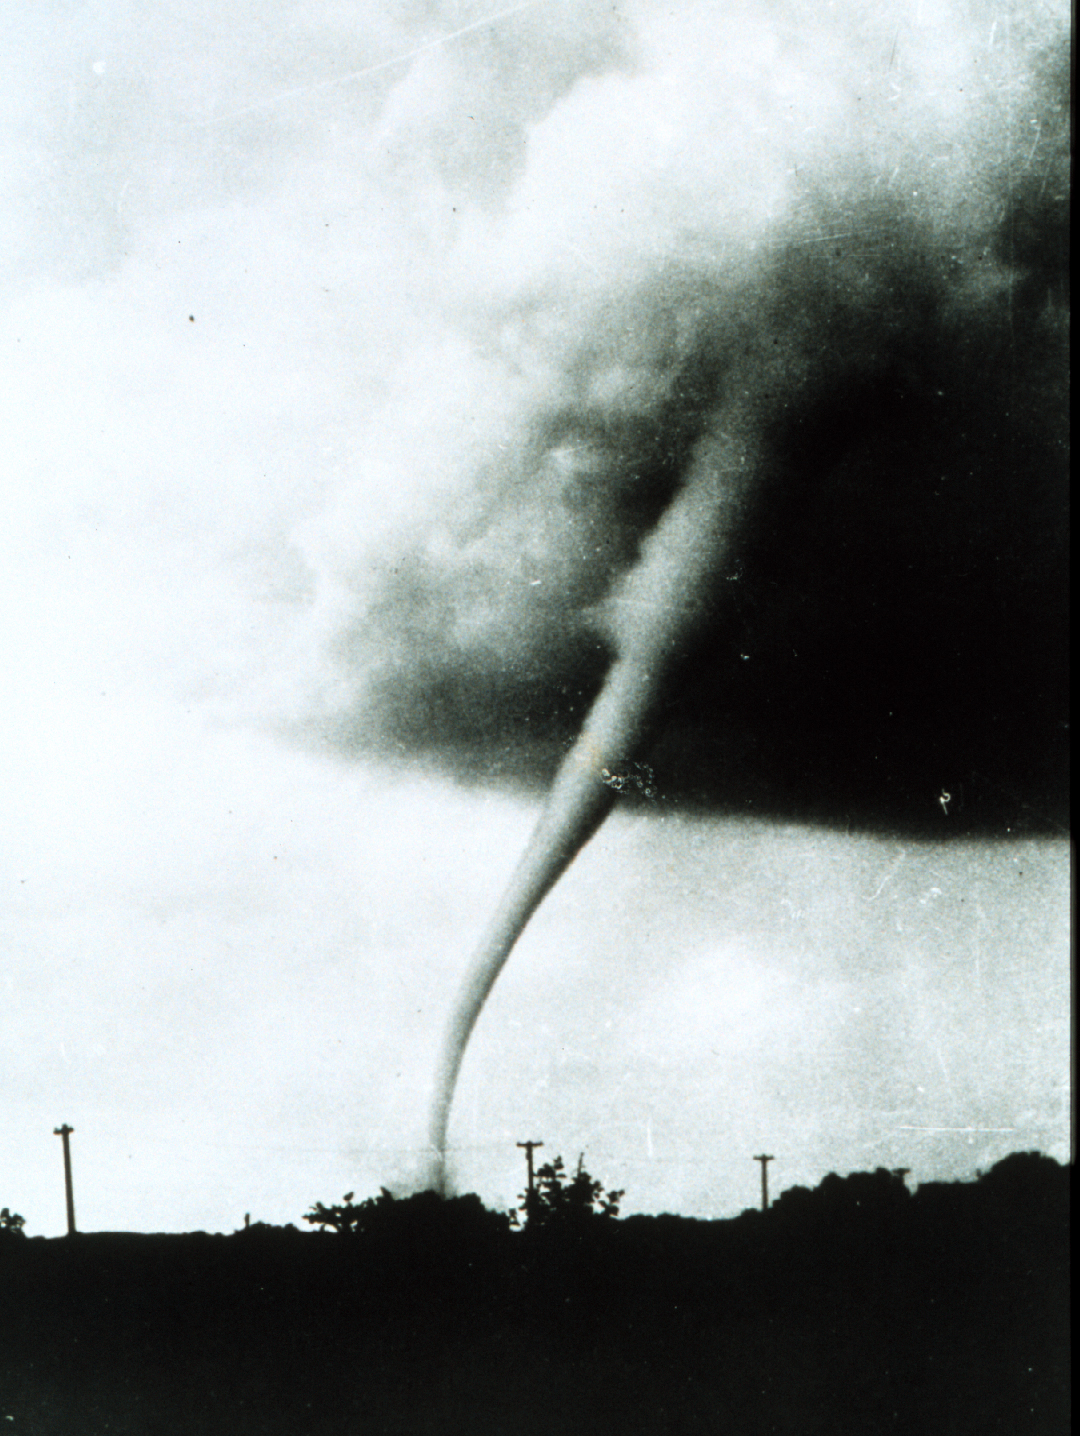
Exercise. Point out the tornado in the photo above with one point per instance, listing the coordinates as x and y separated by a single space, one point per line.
825 353
652 619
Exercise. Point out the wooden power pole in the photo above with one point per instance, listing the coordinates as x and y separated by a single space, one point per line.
764 1180
64 1133
528 1157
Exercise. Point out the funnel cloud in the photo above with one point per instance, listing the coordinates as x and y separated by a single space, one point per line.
795 477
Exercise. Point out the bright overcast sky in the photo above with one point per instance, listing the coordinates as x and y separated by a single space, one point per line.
278 279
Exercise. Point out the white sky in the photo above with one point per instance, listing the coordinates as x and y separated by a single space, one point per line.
228 959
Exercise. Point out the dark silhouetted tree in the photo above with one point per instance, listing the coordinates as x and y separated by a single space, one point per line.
12 1223
870 1193
1024 1185
558 1200
348 1217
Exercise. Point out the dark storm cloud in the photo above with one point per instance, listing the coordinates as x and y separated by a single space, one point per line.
874 278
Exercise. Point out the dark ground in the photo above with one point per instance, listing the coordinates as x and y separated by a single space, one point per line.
855 1308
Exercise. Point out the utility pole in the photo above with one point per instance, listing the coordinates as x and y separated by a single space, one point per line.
64 1133
528 1157
764 1180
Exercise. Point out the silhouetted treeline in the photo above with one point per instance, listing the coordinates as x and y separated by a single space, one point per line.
856 1308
